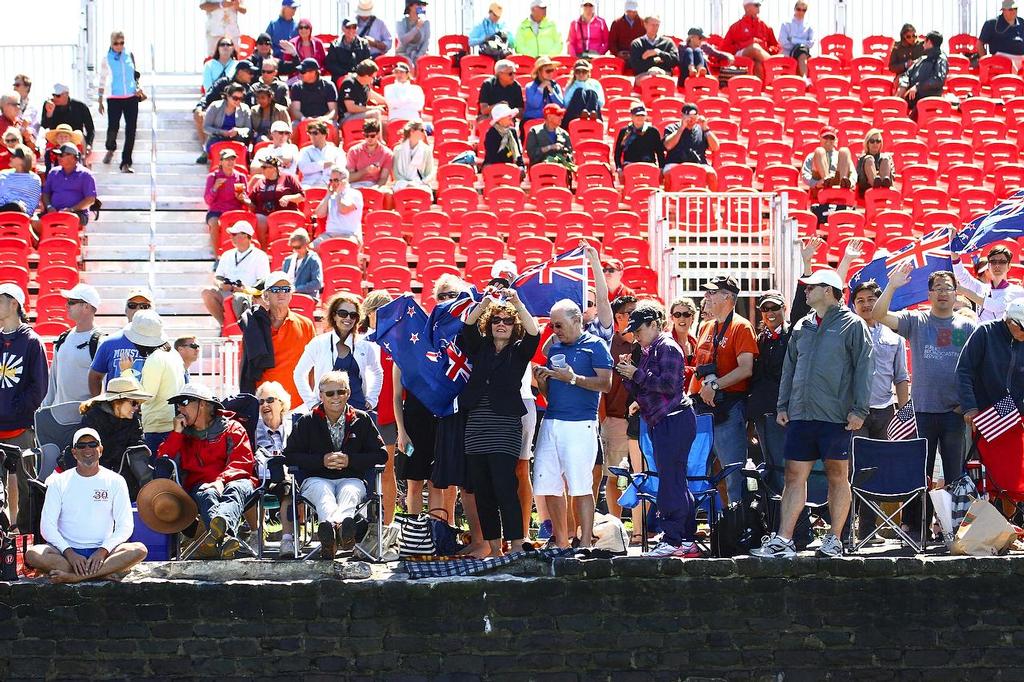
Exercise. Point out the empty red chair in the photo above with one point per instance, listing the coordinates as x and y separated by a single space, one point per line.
477 224
960 175
822 66
774 67
373 198
585 129
505 201
592 151
457 200
888 224
962 43
60 224
744 87
770 152
339 250
925 199
906 152
397 279
14 252
807 224
828 88
755 107
59 251
866 66
838 45
841 107
604 65
381 224
932 219
758 129
447 129
734 175
621 223
952 152
1009 178
283 223
728 151
933 107
641 278
684 176
986 130
881 198
786 88
574 224
975 201
429 224
890 107
548 175
343 278
531 250
616 86
696 88
598 200
852 132
631 250
637 175
526 223
433 250
482 250
455 175
916 175
589 175
997 152
15 224
899 129
446 151
475 65
877 46
716 107
52 278
796 198
963 85
993 65
655 87
874 87
552 201
454 45
725 129
501 174
412 200
779 175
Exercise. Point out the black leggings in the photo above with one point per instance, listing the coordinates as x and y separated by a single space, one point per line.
496 487
129 108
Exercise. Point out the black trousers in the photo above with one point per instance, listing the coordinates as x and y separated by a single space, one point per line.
497 498
875 426
116 108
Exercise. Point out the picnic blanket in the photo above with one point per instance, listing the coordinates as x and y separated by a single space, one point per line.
434 567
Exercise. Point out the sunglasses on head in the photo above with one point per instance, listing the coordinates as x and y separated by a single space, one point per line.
351 314
267 401
87 444
138 306
682 313
279 290
507 321
335 393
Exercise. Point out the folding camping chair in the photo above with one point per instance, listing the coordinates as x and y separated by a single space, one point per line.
773 478
890 471
370 508
1001 477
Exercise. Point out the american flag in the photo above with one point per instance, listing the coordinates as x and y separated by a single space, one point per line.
998 419
904 424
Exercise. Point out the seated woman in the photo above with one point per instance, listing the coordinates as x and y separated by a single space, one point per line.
272 431
335 447
413 163
116 417
501 143
875 168
542 90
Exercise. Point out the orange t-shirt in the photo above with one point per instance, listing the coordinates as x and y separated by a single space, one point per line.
738 338
289 341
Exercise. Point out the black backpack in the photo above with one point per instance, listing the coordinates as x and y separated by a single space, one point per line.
94 341
740 528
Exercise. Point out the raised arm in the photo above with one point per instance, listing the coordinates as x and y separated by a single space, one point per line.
898 277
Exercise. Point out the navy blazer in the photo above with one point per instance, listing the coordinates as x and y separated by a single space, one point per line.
310 277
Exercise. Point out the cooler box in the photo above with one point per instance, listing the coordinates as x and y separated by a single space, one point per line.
158 544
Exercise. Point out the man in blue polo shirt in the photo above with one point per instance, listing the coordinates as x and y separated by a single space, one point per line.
117 347
578 370
70 188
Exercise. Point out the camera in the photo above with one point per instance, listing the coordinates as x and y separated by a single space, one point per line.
706 370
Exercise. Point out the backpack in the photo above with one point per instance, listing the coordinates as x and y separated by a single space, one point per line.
94 341
496 47
739 529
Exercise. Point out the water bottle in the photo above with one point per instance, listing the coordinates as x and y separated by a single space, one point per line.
408 449
622 482
751 477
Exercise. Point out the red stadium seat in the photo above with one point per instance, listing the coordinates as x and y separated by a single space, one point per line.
339 251
548 175
60 224
429 224
282 223
725 129
620 224
532 250
217 147
15 224
373 198
924 199
1009 178
585 129
695 88
906 152
455 175
933 107
637 175
527 223
599 201
899 129
786 88
616 86
987 130
993 65
412 200
552 201
456 200
960 175
656 87
807 224
381 224
303 304
734 175
397 279
593 174
641 278
501 174
434 250
796 198
774 67
917 175
879 199
755 107
428 277
52 278
744 87
890 107
388 251
873 87
998 152
728 152
933 219
684 176
482 250
477 224
952 152
963 85
757 129
888 224
340 278
770 152
604 65
59 251
451 46
962 43
631 250
592 151
838 45
975 201
822 66
877 46
505 201
573 224
429 64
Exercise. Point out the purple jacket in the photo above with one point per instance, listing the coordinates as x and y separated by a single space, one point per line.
658 381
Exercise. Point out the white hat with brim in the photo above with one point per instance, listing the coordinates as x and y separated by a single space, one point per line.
86 432
824 276
14 291
146 329
1015 311
365 8
242 227
82 292
140 292
194 391
276 278
502 110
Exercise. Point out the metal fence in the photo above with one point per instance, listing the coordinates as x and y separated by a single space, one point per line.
45 65
217 366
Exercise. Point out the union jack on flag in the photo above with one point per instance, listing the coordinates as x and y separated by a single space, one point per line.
998 419
904 423
564 276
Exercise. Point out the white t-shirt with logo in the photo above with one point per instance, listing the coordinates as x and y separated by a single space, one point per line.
86 512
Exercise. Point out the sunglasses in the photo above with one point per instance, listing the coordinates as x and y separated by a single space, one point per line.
87 445
351 314
74 301
999 261
507 321
800 11
334 180
591 304
133 403
875 141
267 401
448 296
609 271
770 308
315 132
269 70
334 394
370 136
305 28
19 85
193 346
680 314
138 306
225 44
185 402
278 290
117 42
237 99
10 139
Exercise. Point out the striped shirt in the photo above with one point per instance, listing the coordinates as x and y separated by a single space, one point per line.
20 187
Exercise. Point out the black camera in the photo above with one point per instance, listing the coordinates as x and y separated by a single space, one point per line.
706 370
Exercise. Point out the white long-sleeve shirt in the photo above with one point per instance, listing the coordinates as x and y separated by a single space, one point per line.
86 512
315 164
995 300
405 101
319 356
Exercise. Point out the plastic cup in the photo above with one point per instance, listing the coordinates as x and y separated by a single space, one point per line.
558 362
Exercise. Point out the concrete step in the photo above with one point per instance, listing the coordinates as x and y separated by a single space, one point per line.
164 202
98 267
187 251
142 217
185 236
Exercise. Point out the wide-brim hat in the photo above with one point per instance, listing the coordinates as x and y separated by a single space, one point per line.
364 8
123 388
541 62
76 137
146 329
194 391
165 507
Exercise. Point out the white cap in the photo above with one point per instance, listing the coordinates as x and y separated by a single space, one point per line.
242 226
280 126
539 3
275 277
501 110
146 329
139 292
631 5
87 432
60 89
14 291
1015 310
83 292
824 276
504 268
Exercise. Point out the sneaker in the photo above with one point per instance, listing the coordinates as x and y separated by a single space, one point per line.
831 547
287 549
203 158
229 548
328 542
686 550
772 546
545 531
346 534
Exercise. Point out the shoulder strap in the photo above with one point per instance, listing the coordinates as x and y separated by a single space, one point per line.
60 340
366 29
94 342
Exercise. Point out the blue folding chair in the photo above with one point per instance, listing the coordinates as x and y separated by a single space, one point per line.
890 471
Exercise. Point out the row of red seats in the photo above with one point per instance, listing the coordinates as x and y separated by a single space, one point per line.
55 259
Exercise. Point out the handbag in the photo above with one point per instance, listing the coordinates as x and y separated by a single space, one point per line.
8 558
445 537
415 535
389 543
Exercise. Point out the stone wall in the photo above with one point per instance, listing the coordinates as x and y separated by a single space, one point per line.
875 619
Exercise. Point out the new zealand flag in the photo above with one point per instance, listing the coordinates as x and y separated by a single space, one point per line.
1005 221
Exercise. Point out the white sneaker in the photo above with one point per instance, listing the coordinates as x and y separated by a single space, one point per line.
287 549
831 547
686 550
772 546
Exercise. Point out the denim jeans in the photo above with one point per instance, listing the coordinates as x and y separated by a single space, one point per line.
772 439
945 433
731 446
229 504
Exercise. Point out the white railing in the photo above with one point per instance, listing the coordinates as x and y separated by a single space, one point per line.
217 366
45 65
698 235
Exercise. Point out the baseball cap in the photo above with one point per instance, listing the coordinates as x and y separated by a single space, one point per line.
348 21
139 292
828 130
68 148
1009 4
690 108
722 283
244 65
553 109
242 227
299 233
289 3
631 5
264 39
771 296
280 127
638 110
825 276
696 31
611 263
401 66
539 3
14 291
496 8
1015 311
86 432
228 154
309 64
60 89
640 317
83 292
275 277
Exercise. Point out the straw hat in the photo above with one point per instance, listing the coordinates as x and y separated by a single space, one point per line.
165 507
541 62
123 388
76 137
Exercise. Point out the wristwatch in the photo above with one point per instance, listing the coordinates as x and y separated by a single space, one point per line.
713 385
572 381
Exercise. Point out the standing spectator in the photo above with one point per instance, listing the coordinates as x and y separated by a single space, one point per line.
284 28
29 111
927 76
502 87
750 37
222 21
86 520
652 54
490 25
693 57
271 192
796 37
276 329
238 270
369 161
1004 35
937 337
303 266
348 50
357 99
119 68
772 340
875 168
341 208
75 348
23 367
280 148
905 51
538 36
60 108
267 112
638 142
824 396
995 292
373 29
224 189
188 349
303 46
542 90
501 143
578 370
216 462
313 97
404 98
413 31
228 119
316 159
342 349
828 165
549 141
413 164
335 448
163 375
657 382
500 337
690 141
588 35
723 365
614 441
222 63
584 96
69 188
988 366
20 188
386 424
117 353
624 31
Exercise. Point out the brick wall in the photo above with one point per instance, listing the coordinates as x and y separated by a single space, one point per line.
876 619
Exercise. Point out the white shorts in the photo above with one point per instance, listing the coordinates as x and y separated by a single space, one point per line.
529 426
565 449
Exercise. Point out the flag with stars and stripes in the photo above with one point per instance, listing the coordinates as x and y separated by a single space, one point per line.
998 419
904 423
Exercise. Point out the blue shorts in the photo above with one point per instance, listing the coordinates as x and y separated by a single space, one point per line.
213 214
85 552
810 440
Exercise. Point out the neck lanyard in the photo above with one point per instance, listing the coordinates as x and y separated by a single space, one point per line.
239 261
718 336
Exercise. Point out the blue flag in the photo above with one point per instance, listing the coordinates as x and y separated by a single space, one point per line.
929 254
564 276
1005 221
424 347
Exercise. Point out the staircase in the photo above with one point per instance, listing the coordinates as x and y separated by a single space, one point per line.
152 229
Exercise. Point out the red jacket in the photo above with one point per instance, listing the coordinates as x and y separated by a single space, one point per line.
621 34
746 32
225 458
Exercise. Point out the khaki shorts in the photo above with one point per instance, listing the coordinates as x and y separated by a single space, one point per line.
614 441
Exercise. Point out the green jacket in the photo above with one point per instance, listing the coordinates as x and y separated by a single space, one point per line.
827 371
547 42
538 137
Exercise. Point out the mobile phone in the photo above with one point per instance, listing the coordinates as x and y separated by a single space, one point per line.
420 11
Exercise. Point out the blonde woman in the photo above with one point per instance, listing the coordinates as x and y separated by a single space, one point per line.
272 431
875 168
413 164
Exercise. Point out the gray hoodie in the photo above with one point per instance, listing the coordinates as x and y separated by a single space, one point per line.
827 371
